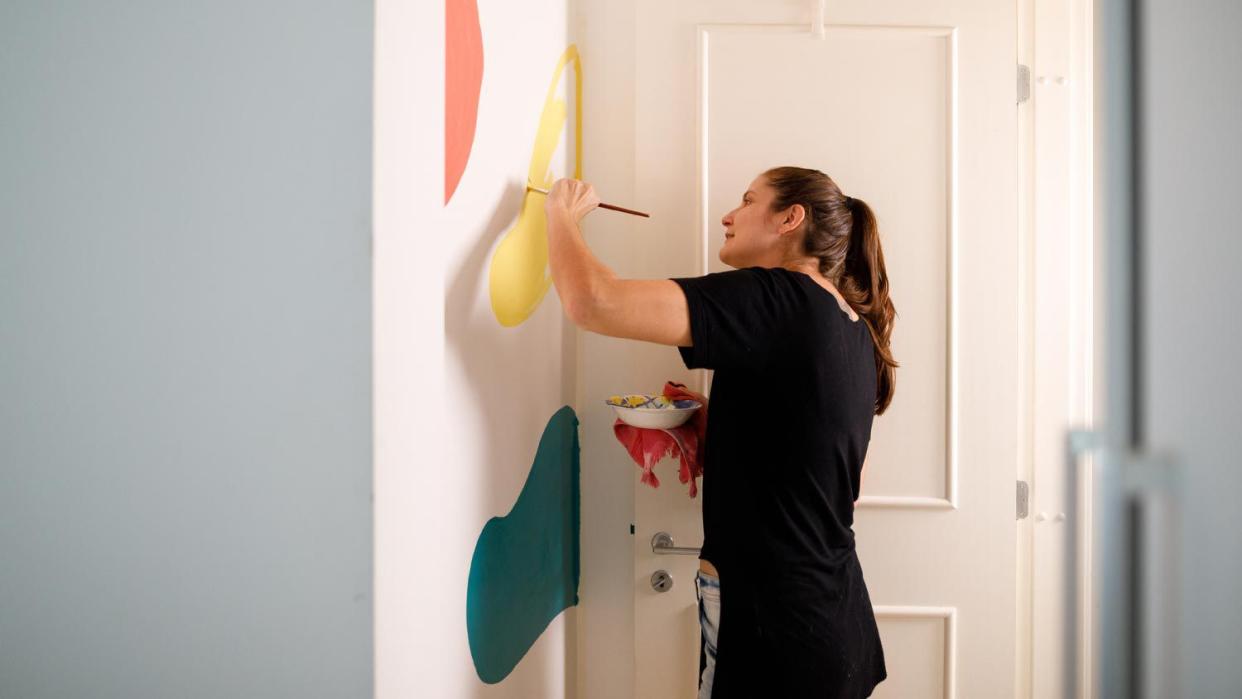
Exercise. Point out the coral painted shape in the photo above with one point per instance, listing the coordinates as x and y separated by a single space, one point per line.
463 78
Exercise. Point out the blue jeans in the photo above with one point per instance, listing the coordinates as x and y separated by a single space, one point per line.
708 587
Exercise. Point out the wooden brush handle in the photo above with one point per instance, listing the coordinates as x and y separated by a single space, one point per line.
602 205
624 210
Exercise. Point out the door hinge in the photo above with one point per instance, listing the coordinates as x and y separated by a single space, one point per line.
1024 492
1024 83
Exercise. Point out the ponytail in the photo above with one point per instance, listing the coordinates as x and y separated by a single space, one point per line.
864 284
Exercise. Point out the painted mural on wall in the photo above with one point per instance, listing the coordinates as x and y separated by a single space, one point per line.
525 567
463 78
518 278
524 570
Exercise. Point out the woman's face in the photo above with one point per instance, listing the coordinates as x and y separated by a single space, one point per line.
753 231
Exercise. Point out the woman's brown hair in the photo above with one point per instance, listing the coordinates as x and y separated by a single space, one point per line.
841 231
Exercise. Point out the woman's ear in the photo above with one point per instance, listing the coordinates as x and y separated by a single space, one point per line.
792 218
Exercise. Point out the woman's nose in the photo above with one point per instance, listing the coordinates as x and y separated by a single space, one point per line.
727 219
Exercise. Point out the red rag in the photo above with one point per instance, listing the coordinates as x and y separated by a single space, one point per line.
647 446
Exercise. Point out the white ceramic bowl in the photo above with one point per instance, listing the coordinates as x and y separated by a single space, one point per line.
651 411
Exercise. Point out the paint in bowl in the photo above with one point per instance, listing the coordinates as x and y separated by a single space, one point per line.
651 411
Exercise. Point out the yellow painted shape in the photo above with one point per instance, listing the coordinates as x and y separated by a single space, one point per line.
519 278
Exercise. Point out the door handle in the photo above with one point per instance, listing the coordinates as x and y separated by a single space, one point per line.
1135 507
662 542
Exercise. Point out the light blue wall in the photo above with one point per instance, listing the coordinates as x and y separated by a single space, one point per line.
1190 336
185 349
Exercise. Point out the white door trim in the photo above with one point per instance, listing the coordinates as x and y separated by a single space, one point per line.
1055 40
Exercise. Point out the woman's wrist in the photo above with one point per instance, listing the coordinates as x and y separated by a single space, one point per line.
560 212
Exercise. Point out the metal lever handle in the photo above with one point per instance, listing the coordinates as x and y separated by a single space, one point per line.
1135 506
662 542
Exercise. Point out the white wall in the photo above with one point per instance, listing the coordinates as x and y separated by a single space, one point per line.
606 649
185 365
461 401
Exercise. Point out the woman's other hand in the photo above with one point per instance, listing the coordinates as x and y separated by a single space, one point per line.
698 420
575 196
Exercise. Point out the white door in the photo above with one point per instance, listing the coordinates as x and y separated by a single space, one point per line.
910 106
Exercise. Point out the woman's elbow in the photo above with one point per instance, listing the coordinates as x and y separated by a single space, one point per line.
593 307
581 311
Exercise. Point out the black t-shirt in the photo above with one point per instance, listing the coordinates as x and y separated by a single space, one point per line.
789 420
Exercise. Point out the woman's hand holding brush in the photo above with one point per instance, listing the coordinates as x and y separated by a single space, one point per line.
577 197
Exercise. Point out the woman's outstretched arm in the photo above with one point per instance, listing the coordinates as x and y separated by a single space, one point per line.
593 297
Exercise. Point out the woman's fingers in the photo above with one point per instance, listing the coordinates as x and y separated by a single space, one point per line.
575 195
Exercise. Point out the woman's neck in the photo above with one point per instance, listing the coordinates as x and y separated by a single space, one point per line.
809 267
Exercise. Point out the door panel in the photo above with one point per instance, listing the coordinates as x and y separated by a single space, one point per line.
882 132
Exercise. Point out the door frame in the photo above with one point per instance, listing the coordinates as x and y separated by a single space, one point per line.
1047 30
1058 325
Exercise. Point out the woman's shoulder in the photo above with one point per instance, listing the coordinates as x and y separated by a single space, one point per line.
776 288
768 277
749 282
777 276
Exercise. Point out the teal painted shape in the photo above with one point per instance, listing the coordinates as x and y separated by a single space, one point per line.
525 565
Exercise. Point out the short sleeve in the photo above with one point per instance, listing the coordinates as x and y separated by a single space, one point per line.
737 318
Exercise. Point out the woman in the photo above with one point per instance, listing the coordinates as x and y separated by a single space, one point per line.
798 336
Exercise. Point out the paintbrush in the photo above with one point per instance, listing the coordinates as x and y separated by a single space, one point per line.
602 205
